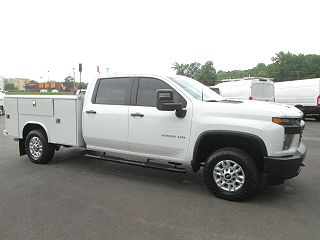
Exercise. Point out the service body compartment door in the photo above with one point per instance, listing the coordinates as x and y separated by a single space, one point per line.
11 121
64 129
35 107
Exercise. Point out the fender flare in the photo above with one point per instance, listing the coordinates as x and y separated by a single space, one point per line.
22 149
226 133
34 123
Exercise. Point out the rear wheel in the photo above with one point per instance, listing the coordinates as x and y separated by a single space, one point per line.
1 111
231 174
37 147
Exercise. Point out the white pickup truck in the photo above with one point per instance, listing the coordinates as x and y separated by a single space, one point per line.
166 123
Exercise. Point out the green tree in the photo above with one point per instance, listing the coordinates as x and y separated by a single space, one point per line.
288 66
10 87
83 85
188 70
261 70
68 83
206 74
284 67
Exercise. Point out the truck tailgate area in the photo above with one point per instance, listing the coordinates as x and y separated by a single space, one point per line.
60 116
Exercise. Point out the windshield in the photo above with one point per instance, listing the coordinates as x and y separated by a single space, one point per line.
196 89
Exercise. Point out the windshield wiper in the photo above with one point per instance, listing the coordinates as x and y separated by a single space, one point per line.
212 100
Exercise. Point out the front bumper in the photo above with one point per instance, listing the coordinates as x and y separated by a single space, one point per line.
286 167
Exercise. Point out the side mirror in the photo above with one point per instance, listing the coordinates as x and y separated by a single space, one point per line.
165 102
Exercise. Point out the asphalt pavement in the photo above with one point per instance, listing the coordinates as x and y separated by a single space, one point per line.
77 198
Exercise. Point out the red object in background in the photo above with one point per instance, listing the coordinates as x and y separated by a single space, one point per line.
98 70
250 98
318 100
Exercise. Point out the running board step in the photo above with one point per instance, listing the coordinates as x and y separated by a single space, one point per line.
139 164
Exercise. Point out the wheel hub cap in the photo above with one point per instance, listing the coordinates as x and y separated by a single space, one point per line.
228 175
35 147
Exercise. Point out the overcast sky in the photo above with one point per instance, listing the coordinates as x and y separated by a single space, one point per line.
140 36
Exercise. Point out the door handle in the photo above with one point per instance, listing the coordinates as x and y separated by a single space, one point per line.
137 115
91 112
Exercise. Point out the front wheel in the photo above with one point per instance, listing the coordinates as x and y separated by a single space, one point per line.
231 174
37 147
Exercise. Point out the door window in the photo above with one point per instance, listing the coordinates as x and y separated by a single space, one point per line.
147 95
113 91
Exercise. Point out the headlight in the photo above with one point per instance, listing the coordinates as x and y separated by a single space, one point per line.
286 121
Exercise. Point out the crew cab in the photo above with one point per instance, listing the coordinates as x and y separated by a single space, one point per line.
169 123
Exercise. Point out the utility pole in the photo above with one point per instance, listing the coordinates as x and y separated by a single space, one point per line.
74 79
80 70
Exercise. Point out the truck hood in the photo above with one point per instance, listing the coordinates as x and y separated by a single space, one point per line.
282 110
253 109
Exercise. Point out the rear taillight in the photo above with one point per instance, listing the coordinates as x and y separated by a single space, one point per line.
318 101
250 98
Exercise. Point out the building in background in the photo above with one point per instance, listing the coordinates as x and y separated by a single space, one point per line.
20 83
2 83
32 86
25 84
51 86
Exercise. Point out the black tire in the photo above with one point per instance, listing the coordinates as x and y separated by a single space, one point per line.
248 169
48 149
1 111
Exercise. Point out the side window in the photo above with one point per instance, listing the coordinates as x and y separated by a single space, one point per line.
113 91
147 95
216 90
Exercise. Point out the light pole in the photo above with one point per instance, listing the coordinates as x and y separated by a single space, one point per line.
74 79
107 70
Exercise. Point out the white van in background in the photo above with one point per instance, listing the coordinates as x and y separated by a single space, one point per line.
260 89
303 94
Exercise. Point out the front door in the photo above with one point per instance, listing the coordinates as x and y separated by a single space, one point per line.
157 134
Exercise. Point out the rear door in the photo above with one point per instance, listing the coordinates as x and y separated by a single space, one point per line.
268 91
257 90
105 116
262 90
157 134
